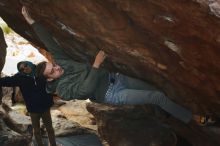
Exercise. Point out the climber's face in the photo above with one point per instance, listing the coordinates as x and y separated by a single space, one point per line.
52 71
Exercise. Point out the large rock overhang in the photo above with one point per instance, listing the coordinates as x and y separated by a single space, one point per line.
173 44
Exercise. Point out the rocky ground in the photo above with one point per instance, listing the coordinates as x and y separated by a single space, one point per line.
69 119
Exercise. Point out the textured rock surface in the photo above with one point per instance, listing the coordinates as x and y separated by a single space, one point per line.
174 44
138 126
3 47
76 111
12 133
14 123
64 127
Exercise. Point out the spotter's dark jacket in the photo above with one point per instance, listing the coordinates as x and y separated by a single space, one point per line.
33 90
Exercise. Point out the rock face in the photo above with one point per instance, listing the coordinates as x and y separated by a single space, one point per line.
3 47
173 44
14 125
138 126
12 133
76 111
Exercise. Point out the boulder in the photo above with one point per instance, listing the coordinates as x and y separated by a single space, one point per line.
173 44
148 126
